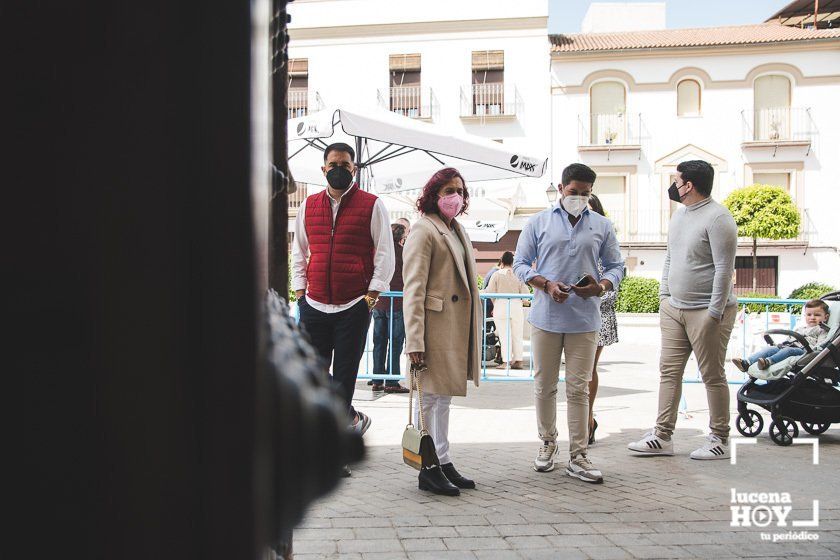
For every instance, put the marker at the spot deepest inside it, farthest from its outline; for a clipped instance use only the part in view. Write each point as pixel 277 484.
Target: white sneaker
pixel 581 467
pixel 545 457
pixel 651 444
pixel 714 448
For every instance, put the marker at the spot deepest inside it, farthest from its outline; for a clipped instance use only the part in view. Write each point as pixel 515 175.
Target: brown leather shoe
pixel 516 365
pixel 377 387
pixel 396 389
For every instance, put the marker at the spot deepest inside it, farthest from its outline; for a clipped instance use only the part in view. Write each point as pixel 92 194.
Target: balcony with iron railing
pixel 609 131
pixel 650 227
pixel 774 126
pixel 414 102
pixel 298 102
pixel 641 227
pixel 490 101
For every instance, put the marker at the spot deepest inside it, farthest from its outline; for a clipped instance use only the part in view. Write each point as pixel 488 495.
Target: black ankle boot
pixel 455 477
pixel 435 481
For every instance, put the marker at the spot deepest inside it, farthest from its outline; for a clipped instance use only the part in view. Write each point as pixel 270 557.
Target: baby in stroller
pixel 814 329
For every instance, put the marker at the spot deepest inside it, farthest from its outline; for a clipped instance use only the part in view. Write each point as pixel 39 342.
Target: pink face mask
pixel 450 205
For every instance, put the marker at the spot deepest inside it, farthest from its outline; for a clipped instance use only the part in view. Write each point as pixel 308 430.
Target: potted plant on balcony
pixel 774 129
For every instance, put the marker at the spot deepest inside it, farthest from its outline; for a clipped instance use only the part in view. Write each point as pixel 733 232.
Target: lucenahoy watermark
pixel 763 509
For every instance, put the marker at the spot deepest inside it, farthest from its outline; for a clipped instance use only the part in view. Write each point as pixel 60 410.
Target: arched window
pixel 688 98
pixel 608 124
pixel 772 108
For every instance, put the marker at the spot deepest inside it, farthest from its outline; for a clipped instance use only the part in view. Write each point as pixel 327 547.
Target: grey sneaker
pixel 362 424
pixel 581 467
pixel 545 457
pixel 651 444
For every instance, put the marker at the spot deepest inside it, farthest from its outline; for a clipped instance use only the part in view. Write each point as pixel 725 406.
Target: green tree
pixel 763 212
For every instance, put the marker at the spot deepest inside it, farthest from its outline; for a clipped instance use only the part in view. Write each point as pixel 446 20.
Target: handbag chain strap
pixel 415 379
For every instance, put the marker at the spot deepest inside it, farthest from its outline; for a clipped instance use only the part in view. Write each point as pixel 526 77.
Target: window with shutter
pixel 772 108
pixel 297 98
pixel 607 113
pixel 688 98
pixel 404 96
pixel 488 72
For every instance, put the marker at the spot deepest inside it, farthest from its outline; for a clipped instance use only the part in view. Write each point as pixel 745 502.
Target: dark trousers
pixel 339 337
pixel 381 328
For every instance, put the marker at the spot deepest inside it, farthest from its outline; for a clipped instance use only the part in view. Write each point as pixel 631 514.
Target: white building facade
pixel 472 66
pixel 758 102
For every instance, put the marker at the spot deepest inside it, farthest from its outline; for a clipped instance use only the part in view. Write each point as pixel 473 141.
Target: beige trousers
pixel 509 329
pixel 684 331
pixel 547 347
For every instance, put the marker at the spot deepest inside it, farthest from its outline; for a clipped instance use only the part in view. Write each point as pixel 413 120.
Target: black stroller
pixel 807 393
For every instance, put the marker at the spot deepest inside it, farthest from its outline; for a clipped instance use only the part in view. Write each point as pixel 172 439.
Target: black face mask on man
pixel 674 193
pixel 339 178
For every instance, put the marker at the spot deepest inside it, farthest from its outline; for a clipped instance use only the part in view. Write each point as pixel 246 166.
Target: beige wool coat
pixel 441 307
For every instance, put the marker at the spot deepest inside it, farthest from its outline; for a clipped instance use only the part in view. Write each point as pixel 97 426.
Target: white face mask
pixel 575 204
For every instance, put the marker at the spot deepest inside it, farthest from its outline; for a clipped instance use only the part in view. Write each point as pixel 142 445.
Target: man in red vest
pixel 342 257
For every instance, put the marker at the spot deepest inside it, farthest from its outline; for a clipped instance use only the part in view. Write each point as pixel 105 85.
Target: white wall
pixel 719 131
pixel 334 13
pixel 348 70
pixel 797 267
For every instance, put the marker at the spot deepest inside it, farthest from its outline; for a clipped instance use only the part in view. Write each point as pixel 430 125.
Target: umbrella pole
pixel 359 160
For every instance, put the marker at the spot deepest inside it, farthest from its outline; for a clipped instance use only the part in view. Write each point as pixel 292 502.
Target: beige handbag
pixel 418 446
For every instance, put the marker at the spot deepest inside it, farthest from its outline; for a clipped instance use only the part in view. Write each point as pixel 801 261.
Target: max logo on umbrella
pixel 303 128
pixel 522 164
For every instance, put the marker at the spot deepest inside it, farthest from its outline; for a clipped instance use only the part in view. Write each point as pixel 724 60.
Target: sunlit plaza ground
pixel 648 507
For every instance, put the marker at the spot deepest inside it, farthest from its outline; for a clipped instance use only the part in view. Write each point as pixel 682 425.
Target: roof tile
pixel 681 38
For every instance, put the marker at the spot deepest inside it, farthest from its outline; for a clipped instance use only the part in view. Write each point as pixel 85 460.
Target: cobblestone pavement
pixel 648 507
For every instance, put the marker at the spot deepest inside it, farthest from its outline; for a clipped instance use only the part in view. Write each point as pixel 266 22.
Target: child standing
pixel 814 315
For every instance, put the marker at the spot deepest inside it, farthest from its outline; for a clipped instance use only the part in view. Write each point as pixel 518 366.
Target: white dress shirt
pixel 383 259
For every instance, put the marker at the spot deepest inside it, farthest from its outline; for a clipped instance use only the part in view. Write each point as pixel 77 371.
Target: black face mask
pixel 674 193
pixel 339 178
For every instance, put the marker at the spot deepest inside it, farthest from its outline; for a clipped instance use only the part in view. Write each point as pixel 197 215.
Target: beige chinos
pixel 547 348
pixel 684 331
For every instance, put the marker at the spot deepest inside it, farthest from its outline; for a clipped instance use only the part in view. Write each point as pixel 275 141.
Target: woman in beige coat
pixel 442 315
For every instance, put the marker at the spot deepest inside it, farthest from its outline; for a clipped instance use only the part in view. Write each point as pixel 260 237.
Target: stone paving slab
pixel 648 507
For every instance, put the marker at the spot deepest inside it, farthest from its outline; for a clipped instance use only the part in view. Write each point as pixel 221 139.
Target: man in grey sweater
pixel 696 311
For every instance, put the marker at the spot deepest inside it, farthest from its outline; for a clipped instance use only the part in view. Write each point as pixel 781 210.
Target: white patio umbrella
pixel 395 153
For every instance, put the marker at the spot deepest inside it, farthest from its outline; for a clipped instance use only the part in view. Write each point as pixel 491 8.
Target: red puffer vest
pixel 340 257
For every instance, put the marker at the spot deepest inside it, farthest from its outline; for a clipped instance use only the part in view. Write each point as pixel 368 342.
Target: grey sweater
pixel 702 240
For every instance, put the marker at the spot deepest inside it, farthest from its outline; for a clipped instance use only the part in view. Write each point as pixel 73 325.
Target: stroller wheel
pixel 783 430
pixel 815 429
pixel 753 430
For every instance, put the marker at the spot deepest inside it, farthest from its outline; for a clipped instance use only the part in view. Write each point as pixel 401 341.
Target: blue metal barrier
pixel 528 373
pixel 365 371
pixel 507 376
pixel 742 304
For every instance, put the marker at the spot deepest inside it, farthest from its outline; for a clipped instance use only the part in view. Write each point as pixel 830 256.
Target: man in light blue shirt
pixel 558 254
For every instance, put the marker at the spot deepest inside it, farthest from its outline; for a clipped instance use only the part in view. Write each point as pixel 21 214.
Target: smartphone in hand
pixel 584 280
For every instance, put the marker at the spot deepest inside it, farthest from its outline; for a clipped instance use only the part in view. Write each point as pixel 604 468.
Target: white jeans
pixel 436 417
pixel 515 323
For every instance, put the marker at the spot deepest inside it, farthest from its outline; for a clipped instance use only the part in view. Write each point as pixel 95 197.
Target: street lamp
pixel 551 193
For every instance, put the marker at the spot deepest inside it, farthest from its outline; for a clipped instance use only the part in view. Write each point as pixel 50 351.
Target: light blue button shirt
pixel 562 253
